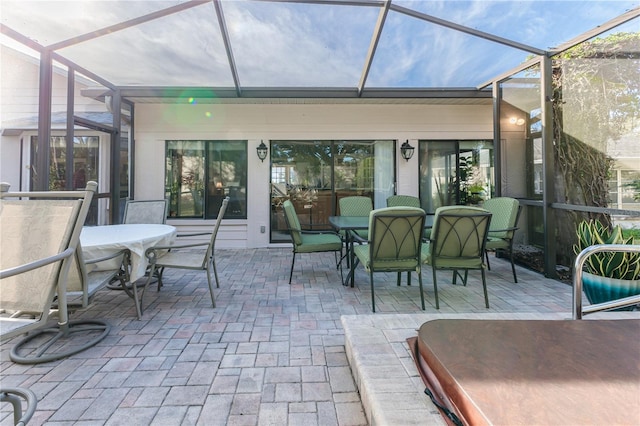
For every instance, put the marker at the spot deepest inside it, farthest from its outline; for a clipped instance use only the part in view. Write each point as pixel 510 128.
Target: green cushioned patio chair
pixel 504 220
pixel 407 201
pixel 394 245
pixel 356 205
pixel 403 201
pixel 457 243
pixel 309 241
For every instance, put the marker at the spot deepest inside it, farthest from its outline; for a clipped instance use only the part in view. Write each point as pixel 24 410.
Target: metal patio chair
pixel 403 201
pixel 145 211
pixel 15 396
pixel 40 234
pixel 356 205
pixel 182 255
pixel 309 241
pixel 504 220
pixel 394 244
pixel 457 243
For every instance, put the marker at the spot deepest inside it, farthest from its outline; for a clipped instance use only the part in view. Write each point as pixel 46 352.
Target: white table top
pixel 93 236
pixel 100 241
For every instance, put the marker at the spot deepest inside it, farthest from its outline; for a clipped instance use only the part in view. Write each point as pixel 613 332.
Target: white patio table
pixel 99 241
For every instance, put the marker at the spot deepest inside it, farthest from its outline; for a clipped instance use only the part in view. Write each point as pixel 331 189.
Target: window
pixel 200 174
pixel 83 163
pixel 85 160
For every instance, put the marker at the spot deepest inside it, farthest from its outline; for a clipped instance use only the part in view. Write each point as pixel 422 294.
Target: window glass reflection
pixel 200 174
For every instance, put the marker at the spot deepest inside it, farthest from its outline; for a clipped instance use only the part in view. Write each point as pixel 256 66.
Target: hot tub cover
pixel 532 372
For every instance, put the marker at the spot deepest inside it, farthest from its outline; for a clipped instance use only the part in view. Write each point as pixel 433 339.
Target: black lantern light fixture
pixel 262 151
pixel 406 150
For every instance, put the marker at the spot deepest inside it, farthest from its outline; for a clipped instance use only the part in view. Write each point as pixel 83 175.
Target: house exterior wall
pixel 156 123
pixel 19 91
pixel 20 82
pixel 273 119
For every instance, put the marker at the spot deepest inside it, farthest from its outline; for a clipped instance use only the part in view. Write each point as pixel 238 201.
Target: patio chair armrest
pixel 193 234
pixel 513 228
pixel 358 239
pixel 318 232
pixel 26 267
pixel 152 254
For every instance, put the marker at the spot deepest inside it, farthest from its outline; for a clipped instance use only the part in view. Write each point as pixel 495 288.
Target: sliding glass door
pixel 455 173
pixel 314 175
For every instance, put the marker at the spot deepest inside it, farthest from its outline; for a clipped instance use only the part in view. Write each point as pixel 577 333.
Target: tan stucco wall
pixel 155 123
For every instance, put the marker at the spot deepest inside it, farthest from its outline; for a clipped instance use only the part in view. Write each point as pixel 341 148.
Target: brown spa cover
pixel 533 372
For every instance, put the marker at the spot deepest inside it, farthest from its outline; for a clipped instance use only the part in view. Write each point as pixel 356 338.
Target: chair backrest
pixel 356 205
pixel 395 238
pixel 34 229
pixel 145 211
pixel 459 232
pixel 505 212
pixel 403 201
pixel 214 234
pixel 293 223
pixel 76 281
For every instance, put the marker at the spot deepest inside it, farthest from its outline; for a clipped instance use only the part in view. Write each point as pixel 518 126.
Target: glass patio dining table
pixel 348 225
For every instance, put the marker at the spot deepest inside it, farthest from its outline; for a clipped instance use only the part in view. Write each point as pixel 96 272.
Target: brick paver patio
pixel 269 354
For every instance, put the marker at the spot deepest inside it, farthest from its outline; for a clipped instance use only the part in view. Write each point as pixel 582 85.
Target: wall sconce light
pixel 406 150
pixel 516 121
pixel 262 151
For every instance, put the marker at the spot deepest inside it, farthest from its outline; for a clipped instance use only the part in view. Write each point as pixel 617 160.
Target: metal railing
pixel 578 311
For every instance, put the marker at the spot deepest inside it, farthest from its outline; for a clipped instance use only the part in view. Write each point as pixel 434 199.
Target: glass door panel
pixel 185 178
pixel 438 174
pixel 302 173
pixel 314 175
pixel 455 172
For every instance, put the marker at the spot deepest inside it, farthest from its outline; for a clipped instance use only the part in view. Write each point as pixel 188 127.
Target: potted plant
pixel 607 275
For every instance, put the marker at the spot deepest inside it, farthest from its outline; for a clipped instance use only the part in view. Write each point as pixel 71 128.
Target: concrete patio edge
pixel 390 387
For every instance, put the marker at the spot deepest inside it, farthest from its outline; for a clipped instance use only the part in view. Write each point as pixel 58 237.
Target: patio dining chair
pixel 394 244
pixel 504 220
pixel 309 241
pixel 403 201
pixel 16 396
pixel 356 205
pixel 139 212
pixel 457 243
pixel 407 201
pixel 145 211
pixel 198 256
pixel 40 234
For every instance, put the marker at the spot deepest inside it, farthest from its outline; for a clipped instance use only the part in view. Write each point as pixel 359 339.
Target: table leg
pixel 350 260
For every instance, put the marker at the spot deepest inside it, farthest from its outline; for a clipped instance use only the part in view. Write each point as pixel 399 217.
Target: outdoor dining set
pixel 53 264
pixel 402 237
pixel 45 236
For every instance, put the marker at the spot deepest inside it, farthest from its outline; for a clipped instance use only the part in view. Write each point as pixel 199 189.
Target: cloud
pixel 304 45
